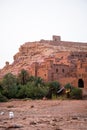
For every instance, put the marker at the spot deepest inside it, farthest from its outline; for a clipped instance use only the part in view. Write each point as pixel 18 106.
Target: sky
pixel 31 20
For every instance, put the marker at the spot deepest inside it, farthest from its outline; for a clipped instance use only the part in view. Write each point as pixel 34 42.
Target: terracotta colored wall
pixel 64 72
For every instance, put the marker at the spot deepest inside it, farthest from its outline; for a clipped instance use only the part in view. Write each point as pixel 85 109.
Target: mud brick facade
pixel 73 70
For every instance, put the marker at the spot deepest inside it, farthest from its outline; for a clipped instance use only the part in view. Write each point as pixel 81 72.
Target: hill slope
pixel 31 52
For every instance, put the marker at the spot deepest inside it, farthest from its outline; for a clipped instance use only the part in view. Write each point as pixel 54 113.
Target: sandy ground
pixel 44 115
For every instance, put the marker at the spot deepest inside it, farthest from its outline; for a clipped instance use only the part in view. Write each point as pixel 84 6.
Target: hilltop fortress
pixel 51 60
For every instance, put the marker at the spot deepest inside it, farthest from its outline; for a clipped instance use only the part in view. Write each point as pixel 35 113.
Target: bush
pixel 31 91
pixel 68 86
pixel 9 85
pixel 54 86
pixel 22 90
pixel 36 93
pixel 2 98
pixel 76 93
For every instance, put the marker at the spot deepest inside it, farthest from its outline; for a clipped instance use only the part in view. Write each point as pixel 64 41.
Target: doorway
pixel 80 83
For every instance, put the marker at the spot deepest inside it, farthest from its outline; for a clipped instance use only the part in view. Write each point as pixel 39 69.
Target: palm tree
pixel 39 82
pixel 23 77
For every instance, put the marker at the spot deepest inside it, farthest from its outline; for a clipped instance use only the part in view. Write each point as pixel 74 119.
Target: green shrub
pixel 21 92
pixel 31 91
pixel 2 98
pixel 76 93
pixel 54 86
pixel 9 85
pixel 68 86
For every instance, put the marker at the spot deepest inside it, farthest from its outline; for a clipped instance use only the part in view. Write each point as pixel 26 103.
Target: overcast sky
pixel 31 20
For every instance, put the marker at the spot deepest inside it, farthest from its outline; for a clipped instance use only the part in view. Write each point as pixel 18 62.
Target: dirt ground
pixel 44 115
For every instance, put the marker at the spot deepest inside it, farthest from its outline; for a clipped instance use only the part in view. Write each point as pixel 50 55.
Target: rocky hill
pixel 31 52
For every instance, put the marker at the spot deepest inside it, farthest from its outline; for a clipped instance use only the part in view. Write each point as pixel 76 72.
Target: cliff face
pixel 38 51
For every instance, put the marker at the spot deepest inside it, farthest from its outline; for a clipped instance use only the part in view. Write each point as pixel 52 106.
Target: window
pixel 81 65
pixel 80 83
pixel 56 70
pixel 44 74
pixel 63 70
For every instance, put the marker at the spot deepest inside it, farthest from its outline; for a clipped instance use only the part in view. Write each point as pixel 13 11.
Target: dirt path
pixel 44 115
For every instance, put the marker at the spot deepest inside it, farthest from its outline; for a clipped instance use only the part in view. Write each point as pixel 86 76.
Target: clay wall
pixel 56 71
pixel 78 55
pixel 69 43
pixel 43 73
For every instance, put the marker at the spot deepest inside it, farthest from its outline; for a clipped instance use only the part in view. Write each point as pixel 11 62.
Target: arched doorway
pixel 80 83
